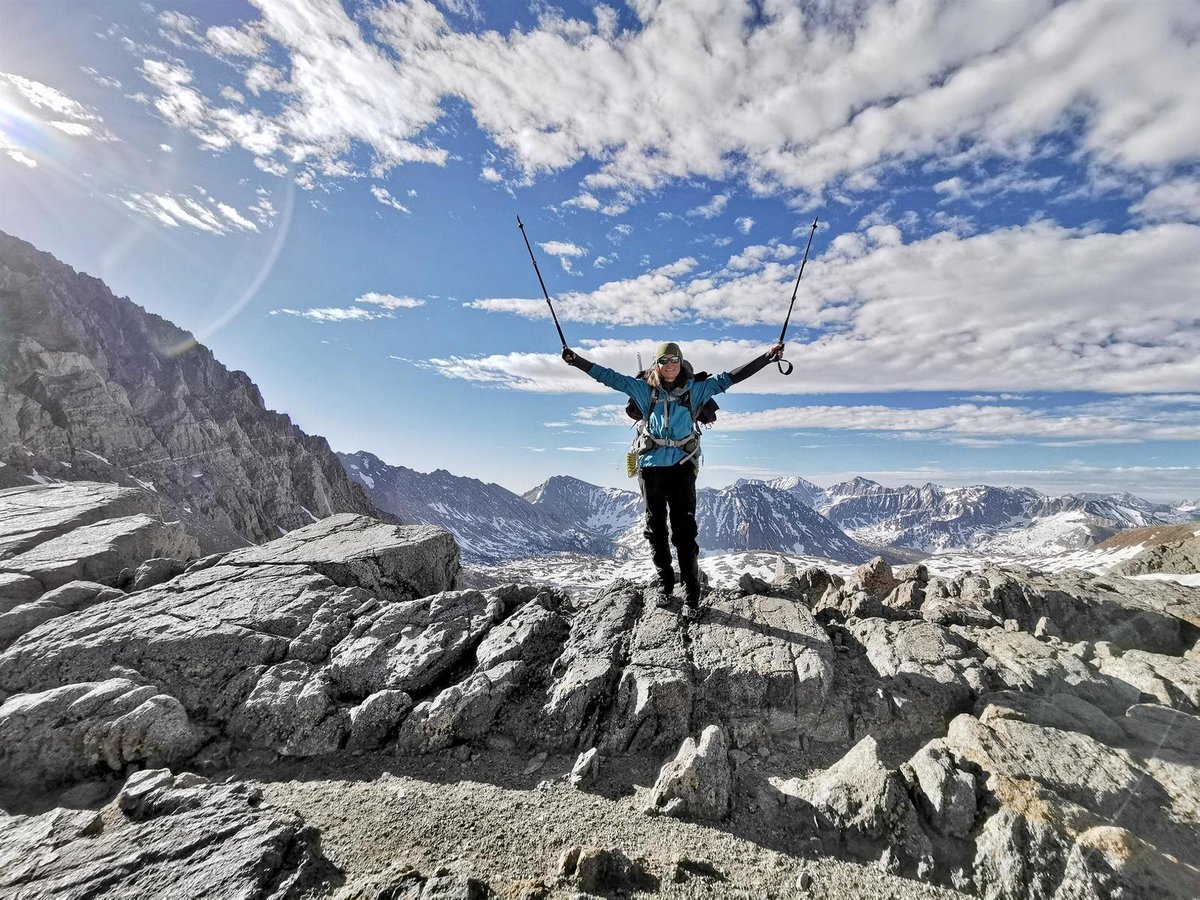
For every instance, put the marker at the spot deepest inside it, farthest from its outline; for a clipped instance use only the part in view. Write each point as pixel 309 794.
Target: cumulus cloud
pixel 713 208
pixel 1068 309
pixel 562 248
pixel 583 201
pixel 785 95
pixel 986 190
pixel 565 251
pixel 966 424
pixel 744 224
pixel 1174 201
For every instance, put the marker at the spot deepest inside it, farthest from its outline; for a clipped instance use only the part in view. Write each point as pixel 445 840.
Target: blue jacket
pixel 681 425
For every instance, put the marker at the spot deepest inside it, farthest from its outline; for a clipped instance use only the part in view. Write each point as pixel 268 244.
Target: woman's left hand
pixel 776 351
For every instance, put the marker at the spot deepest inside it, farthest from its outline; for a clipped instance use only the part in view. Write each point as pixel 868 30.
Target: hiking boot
pixel 689 611
pixel 661 590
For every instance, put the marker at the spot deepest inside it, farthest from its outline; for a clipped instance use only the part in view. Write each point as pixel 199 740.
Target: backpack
pixel 643 442
pixel 705 415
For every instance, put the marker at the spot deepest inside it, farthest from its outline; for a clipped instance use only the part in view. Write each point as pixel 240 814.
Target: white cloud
pixel 1065 310
pixel 328 314
pixel 20 157
pixel 966 424
pixel 388 301
pixel 1174 201
pixel 384 196
pixel 202 213
pixel 75 129
pixel 231 41
pixel 744 224
pixel 166 148
pixel 487 173
pixel 562 248
pixel 713 208
pixel 100 79
pixel 583 201
pixel 47 107
pixel 986 190
pixel 44 97
pixel 804 98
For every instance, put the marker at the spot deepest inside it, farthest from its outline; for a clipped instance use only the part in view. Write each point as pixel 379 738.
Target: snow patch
pixel 1191 579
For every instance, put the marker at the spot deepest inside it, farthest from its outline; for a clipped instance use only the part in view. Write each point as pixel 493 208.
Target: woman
pixel 669 399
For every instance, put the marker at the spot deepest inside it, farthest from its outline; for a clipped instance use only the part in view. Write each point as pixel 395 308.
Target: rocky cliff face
pixel 94 387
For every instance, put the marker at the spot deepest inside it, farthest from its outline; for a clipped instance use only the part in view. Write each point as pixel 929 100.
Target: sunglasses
pixel 668 360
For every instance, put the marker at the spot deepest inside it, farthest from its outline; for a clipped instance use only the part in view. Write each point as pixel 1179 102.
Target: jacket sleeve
pixel 626 384
pixel 744 371
pixel 702 391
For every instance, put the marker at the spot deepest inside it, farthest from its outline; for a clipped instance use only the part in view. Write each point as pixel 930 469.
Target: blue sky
pixel 1003 289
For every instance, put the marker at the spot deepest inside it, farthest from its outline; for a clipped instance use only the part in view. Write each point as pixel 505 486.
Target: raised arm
pixel 626 384
pixel 745 370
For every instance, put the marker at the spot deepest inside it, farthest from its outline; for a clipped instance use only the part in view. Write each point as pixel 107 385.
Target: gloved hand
pixel 776 351
pixel 568 356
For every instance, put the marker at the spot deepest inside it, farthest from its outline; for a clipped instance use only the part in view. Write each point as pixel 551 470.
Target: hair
pixel 654 378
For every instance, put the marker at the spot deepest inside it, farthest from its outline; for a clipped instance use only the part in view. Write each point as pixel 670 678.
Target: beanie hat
pixel 670 348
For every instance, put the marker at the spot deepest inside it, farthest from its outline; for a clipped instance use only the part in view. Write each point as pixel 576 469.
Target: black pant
pixel 670 492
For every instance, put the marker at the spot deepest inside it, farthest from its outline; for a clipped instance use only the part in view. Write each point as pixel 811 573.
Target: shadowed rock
pixel 1170 680
pixel 864 806
pixel 175 836
pixel 82 730
pixel 696 784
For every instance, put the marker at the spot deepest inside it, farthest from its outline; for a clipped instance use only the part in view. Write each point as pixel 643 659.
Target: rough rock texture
pixel 1156 616
pixel 103 551
pixel 81 730
pixel 94 387
pixel 164 836
pixel 269 655
pixel 763 668
pixel 865 804
pixel 696 783
pixel 1181 556
pixel 54 534
pixel 391 561
pixel 981 755
pixel 911 679
pixel 1170 680
pixel 67 598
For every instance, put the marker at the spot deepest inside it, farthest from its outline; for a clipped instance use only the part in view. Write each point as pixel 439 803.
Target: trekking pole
pixel 781 361
pixel 521 225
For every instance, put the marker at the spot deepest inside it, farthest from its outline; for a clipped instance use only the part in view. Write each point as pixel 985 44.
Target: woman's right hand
pixel 568 356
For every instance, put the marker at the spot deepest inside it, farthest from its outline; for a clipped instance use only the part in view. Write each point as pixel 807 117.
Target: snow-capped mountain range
pixel 982 518
pixel 848 522
pixel 490 522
